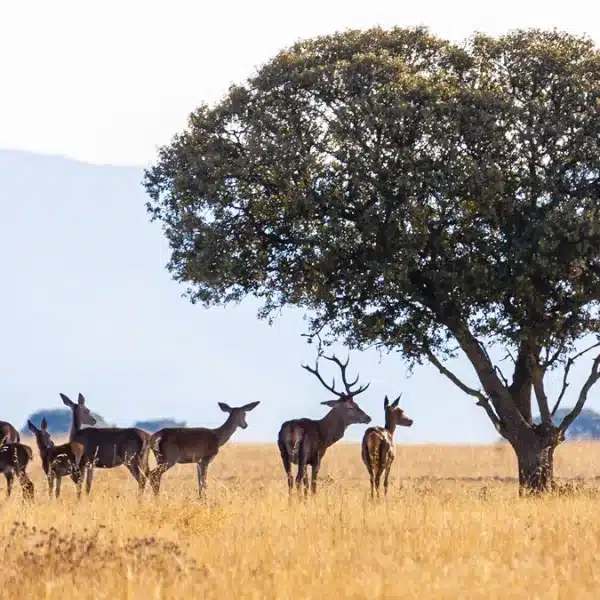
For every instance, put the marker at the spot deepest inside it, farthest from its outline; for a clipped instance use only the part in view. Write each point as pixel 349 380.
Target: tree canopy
pixel 424 196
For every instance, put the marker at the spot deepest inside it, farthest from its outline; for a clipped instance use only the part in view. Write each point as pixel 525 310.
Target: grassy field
pixel 452 527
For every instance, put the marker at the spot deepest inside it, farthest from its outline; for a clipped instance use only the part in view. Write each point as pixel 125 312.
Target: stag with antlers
pixel 303 442
pixel 378 444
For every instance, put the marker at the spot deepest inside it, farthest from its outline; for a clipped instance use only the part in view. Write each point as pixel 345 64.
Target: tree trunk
pixel 535 458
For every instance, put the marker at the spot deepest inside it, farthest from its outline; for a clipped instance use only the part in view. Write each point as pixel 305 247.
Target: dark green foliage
pixel 407 192
pixel 59 420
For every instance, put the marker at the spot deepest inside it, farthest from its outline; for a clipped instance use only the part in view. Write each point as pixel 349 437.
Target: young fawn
pixel 14 458
pixel 378 445
pixel 58 461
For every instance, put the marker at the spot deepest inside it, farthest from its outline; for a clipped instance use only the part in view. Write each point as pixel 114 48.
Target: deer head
pixel 350 411
pixel 394 414
pixel 80 411
pixel 345 399
pixel 238 414
pixel 42 434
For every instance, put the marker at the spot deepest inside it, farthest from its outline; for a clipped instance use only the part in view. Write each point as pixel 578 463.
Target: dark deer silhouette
pixel 14 458
pixel 304 441
pixel 185 445
pixel 58 461
pixel 108 447
pixel 378 444
pixel 8 434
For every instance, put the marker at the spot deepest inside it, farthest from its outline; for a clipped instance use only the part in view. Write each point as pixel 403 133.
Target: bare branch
pixel 565 383
pixel 509 355
pixel 481 397
pixel 590 381
pixel 501 375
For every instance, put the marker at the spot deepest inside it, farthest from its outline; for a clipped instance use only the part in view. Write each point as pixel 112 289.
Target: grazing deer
pixel 378 444
pixel 185 445
pixel 304 441
pixel 14 458
pixel 58 461
pixel 107 447
pixel 8 434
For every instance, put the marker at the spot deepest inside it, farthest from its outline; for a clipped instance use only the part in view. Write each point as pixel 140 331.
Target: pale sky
pixel 89 306
pixel 108 81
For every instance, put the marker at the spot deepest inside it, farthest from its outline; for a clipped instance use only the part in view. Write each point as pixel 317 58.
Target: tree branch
pixel 481 398
pixel 501 375
pixel 565 383
pixel 590 381
pixel 537 376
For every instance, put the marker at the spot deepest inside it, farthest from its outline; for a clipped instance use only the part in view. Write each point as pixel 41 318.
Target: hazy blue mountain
pixel 156 424
pixel 59 420
pixel 585 427
pixel 88 306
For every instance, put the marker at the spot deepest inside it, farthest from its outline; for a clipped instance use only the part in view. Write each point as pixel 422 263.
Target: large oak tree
pixel 427 197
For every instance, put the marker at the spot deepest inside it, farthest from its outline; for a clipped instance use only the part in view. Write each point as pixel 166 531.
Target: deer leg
pixel 50 477
pixel 136 470
pixel 10 477
pixel 76 476
pixel 89 476
pixel 314 473
pixel 27 485
pixel 156 475
pixel 287 465
pixel 58 484
pixel 378 479
pixel 200 472
pixel 305 480
pixel 386 477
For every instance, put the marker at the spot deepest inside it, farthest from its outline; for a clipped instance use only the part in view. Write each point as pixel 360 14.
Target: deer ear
pixel 44 424
pixel 81 399
pixel 396 401
pixel 331 403
pixel 250 406
pixel 224 407
pixel 32 427
pixel 386 402
pixel 67 401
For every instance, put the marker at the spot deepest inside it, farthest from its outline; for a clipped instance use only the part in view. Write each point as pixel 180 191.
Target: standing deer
pixel 58 461
pixel 108 447
pixel 378 444
pixel 8 434
pixel 185 445
pixel 304 441
pixel 14 458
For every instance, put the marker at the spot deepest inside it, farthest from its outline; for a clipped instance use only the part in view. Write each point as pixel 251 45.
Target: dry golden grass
pixel 452 527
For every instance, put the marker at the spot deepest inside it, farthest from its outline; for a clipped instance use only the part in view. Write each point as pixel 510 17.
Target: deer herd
pixel 302 442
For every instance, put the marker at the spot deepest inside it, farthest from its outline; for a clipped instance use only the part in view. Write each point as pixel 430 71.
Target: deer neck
pixel 333 426
pixel 75 424
pixel 390 425
pixel 226 430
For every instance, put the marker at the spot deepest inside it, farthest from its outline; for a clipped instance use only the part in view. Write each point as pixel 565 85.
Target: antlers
pixel 349 393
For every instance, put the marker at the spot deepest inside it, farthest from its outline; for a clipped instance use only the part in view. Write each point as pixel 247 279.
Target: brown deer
pixel 108 447
pixel 58 461
pixel 185 445
pixel 304 441
pixel 14 458
pixel 8 434
pixel 378 444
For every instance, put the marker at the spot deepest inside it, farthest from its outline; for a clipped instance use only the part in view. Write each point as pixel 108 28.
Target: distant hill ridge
pixel 59 421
